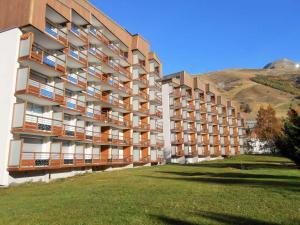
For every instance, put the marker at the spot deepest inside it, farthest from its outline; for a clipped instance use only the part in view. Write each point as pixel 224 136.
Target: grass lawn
pixel 247 190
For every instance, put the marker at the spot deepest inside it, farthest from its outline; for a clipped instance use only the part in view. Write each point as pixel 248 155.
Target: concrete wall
pixel 166 121
pixel 9 48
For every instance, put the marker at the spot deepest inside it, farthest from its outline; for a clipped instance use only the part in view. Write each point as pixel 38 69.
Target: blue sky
pixel 207 35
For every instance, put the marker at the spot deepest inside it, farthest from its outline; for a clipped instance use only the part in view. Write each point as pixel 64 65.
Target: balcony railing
pixel 156 114
pixel 75 104
pixel 115 140
pixel 79 32
pixel 142 80
pixel 93 92
pixel 77 54
pixel 76 80
pixel 98 53
pixel 30 50
pixel 73 132
pixel 117 120
pixel 142 143
pixel 30 86
pixel 178 141
pixel 176 105
pixel 37 124
pixel 141 125
pixel 142 94
pixel 93 113
pixel 22 160
pixel 54 31
pixel 114 101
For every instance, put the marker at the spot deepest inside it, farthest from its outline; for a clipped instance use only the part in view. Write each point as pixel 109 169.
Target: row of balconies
pixel 85 35
pixel 22 159
pixel 34 55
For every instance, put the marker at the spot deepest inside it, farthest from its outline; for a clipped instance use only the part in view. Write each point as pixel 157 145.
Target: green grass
pixel 278 82
pixel 248 190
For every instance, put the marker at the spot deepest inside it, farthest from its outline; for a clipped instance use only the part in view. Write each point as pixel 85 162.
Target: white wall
pixel 166 121
pixel 9 48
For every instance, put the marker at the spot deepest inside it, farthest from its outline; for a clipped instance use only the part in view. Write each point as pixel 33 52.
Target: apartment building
pixel 198 123
pixel 78 92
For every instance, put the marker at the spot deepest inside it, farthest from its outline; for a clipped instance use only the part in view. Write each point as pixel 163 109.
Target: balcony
pixel 96 56
pixel 34 56
pixel 110 66
pixel 156 114
pixel 76 58
pixel 99 39
pixel 118 105
pixel 35 92
pixel 155 86
pixel 156 100
pixel 160 143
pixel 36 125
pixel 141 143
pixel 190 142
pixel 142 160
pixel 190 118
pixel 77 35
pixel 141 66
pixel 57 33
pixel 118 160
pixel 176 93
pixel 156 73
pixel 177 129
pixel 156 127
pixel 141 111
pixel 190 107
pixel 204 131
pixel 93 94
pixel 142 96
pixel 141 81
pixel 176 117
pixel 178 152
pixel 190 129
pixel 117 121
pixel 176 105
pixel 72 132
pixel 140 126
pixel 74 106
pixel 186 95
pixel 75 82
pixel 22 159
pixel 178 141
pixel 93 114
pixel 115 140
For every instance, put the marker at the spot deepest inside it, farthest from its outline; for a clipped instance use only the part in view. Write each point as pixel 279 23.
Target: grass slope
pixel 252 190
pixel 242 86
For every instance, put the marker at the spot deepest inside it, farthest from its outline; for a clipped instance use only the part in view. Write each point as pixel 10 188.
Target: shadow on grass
pixel 230 175
pixel 288 185
pixel 244 166
pixel 219 218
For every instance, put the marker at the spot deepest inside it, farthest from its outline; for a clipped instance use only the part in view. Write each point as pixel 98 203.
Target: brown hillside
pixel 238 85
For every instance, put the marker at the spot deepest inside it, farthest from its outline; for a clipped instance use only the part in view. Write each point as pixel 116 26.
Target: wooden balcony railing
pixel 36 53
pixel 55 32
pixel 43 91
pixel 76 80
pixel 77 54
pixel 74 104
pixel 141 125
pixel 78 31
pixel 38 124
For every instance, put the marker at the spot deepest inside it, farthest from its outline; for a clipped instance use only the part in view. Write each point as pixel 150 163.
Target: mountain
pixel 277 84
pixel 283 64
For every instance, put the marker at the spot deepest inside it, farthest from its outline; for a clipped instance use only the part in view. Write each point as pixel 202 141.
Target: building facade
pixel 78 92
pixel 198 124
